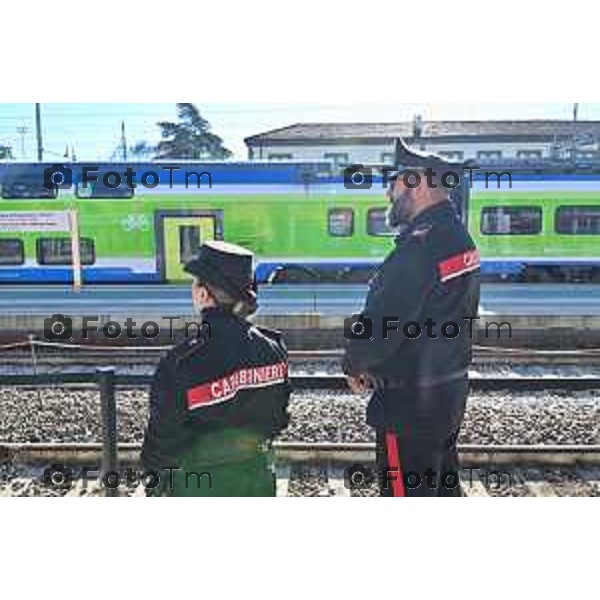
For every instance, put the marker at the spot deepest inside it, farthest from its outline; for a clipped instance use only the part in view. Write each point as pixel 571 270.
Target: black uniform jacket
pixel 430 279
pixel 234 378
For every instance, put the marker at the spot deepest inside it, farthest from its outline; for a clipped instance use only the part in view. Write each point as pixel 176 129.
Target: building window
pixel 489 155
pixel 510 220
pixel 57 251
pixel 453 154
pixel 578 220
pixel 529 154
pixel 341 222
pixel 586 155
pixel 280 156
pixel 11 252
pixel 339 159
pixel 377 222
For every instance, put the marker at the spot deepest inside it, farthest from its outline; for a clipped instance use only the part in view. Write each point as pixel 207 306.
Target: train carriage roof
pixel 264 174
pixel 247 172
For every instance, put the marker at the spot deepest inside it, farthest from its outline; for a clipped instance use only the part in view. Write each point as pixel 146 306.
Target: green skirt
pixel 226 463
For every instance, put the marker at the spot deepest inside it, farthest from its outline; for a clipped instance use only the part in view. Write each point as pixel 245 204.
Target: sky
pixel 94 130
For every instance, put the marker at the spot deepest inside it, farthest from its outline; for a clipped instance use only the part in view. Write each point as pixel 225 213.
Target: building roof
pixel 376 133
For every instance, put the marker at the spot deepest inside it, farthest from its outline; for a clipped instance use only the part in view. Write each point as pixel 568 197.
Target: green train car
pixel 302 224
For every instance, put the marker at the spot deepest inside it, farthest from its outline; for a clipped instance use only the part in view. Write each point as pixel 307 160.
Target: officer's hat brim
pixel 225 266
pixel 203 272
pixel 408 159
pixel 206 274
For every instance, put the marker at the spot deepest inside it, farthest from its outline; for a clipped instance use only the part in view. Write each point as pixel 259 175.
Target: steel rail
pixel 148 355
pixel 322 452
pixel 85 379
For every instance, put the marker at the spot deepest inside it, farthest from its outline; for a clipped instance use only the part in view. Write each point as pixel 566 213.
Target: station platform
pixel 335 300
pixel 540 315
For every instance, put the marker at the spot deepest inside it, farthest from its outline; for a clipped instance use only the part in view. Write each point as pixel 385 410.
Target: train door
pixel 180 236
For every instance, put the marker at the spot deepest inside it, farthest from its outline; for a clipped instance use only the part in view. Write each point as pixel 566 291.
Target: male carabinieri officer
pixel 422 302
pixel 217 400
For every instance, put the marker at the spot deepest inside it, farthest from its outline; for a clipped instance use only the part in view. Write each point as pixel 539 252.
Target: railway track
pixel 52 354
pixel 323 452
pixel 514 384
pixel 321 469
pixel 318 468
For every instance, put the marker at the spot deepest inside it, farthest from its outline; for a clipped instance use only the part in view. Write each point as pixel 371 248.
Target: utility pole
pixel 22 131
pixel 123 141
pixel 38 127
pixel 418 131
pixel 574 143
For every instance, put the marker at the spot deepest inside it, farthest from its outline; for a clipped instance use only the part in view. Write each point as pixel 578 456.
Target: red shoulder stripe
pixel 227 387
pixel 457 265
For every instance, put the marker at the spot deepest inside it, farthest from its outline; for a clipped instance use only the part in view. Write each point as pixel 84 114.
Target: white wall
pixel 372 153
pixel 508 150
pixel 362 153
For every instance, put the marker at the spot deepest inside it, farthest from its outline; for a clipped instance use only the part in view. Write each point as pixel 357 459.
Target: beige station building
pixel 345 144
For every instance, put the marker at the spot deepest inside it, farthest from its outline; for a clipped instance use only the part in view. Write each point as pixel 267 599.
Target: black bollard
pixel 106 383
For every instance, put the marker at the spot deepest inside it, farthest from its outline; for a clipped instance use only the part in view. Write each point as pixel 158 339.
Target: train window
pixel 98 190
pixel 15 190
pixel 489 155
pixel 11 252
pixel 189 242
pixel 578 220
pixel 341 222
pixel 377 222
pixel 57 251
pixel 529 154
pixel 511 220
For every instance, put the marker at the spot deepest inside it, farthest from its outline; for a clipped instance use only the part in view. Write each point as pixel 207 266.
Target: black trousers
pixel 416 452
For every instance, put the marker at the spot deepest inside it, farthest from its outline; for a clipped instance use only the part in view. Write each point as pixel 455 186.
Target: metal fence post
pixel 34 363
pixel 106 383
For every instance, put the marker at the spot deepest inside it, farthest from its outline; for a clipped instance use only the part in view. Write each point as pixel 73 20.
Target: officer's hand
pixel 360 384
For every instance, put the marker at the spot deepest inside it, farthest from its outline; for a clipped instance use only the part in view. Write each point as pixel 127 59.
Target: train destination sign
pixel 35 221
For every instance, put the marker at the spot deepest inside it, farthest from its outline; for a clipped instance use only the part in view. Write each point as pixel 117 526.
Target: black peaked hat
pixel 407 159
pixel 226 266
